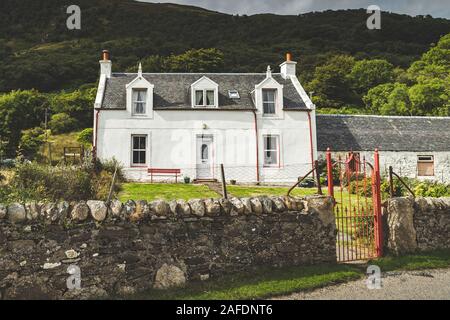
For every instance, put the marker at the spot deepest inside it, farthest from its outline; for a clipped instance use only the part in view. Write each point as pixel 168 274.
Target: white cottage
pixel 260 126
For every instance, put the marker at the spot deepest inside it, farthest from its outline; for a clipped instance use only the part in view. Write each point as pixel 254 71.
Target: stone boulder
pixel 98 209
pixel 80 211
pixel 212 207
pixel 226 205
pixel 401 236
pixel 115 208
pixel 160 208
pixel 3 211
pixel 257 206
pixel 237 207
pixel 278 204
pixel 267 205
pixel 197 207
pixel 33 210
pixel 16 213
pixel 185 208
pixel 169 276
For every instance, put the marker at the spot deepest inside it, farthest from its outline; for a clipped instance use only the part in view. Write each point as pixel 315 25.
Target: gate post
pixel 330 173
pixel 377 204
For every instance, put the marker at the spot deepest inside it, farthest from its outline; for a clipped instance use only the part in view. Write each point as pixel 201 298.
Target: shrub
pixel 30 142
pixel 85 137
pixel 432 189
pixel 62 123
pixel 38 182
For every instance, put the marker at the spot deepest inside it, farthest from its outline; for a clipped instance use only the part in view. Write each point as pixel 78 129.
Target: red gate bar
pixel 330 173
pixel 377 205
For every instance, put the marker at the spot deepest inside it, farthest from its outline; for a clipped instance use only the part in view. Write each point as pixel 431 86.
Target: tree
pixel 77 104
pixel 62 123
pixel 389 99
pixel 20 110
pixel 85 137
pixel 431 97
pixel 30 142
pixel 194 60
pixel 330 83
pixel 367 74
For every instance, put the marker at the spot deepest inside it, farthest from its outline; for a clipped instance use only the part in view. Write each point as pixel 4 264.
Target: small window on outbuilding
pixel 425 166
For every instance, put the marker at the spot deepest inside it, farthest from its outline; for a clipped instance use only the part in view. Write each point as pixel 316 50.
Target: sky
pixel 436 8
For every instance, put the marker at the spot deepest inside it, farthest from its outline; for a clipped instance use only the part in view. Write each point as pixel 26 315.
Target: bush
pixel 85 137
pixel 62 123
pixel 432 189
pixel 30 142
pixel 36 182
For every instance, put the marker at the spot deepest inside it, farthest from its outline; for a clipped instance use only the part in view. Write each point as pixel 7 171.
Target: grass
pixel 426 260
pixel 150 192
pixel 269 282
pixel 58 142
pixel 261 283
pixel 252 191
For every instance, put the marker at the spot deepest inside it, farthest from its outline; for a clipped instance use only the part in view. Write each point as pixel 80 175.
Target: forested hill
pixel 38 51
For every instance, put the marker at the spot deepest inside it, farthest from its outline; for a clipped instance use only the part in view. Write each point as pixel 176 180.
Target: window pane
pixel 268 101
pixel 141 157
pixel 270 150
pixel 142 144
pixel 199 98
pixel 135 156
pixel 204 151
pixel 210 98
pixel 135 142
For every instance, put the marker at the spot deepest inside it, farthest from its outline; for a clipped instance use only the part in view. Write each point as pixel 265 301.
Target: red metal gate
pixel 354 183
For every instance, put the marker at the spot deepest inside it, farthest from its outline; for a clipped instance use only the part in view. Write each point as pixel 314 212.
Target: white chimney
pixel 288 68
pixel 105 64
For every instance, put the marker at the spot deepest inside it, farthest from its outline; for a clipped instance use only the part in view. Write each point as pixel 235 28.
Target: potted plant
pixel 187 179
pixel 232 182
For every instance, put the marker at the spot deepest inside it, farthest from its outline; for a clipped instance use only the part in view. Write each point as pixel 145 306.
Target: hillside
pixel 38 51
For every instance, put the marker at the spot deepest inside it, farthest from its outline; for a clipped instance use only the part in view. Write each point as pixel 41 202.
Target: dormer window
pixel 205 93
pixel 269 102
pixel 139 101
pixel 205 98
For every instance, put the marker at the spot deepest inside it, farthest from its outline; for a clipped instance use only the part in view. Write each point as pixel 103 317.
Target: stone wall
pixel 125 248
pixel 419 224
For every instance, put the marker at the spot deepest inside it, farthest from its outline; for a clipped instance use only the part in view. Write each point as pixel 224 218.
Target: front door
pixel 204 157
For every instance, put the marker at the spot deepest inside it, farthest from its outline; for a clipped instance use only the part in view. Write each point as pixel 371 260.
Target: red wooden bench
pixel 164 172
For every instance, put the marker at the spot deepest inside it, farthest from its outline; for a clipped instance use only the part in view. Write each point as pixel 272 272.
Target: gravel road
pixel 410 285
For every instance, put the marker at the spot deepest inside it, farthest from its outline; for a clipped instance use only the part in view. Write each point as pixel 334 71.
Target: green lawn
pixel 262 283
pixel 164 191
pixel 270 282
pixel 253 191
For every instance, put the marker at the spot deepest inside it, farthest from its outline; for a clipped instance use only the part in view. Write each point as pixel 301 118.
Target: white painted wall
pixel 172 142
pixel 405 163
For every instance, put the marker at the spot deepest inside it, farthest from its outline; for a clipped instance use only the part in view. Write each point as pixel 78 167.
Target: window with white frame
pixel 425 166
pixel 269 102
pixel 139 101
pixel 139 150
pixel 205 98
pixel 271 150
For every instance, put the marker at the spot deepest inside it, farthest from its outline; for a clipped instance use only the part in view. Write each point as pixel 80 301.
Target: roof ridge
pixel 381 116
pixel 195 73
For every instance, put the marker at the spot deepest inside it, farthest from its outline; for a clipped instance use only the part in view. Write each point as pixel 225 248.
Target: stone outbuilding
pixel 416 147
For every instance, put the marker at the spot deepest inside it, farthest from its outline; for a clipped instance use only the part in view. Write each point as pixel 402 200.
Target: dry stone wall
pixel 420 224
pixel 120 249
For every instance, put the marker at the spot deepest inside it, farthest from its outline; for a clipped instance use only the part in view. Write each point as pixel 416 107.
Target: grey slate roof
pixel 172 90
pixel 364 133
